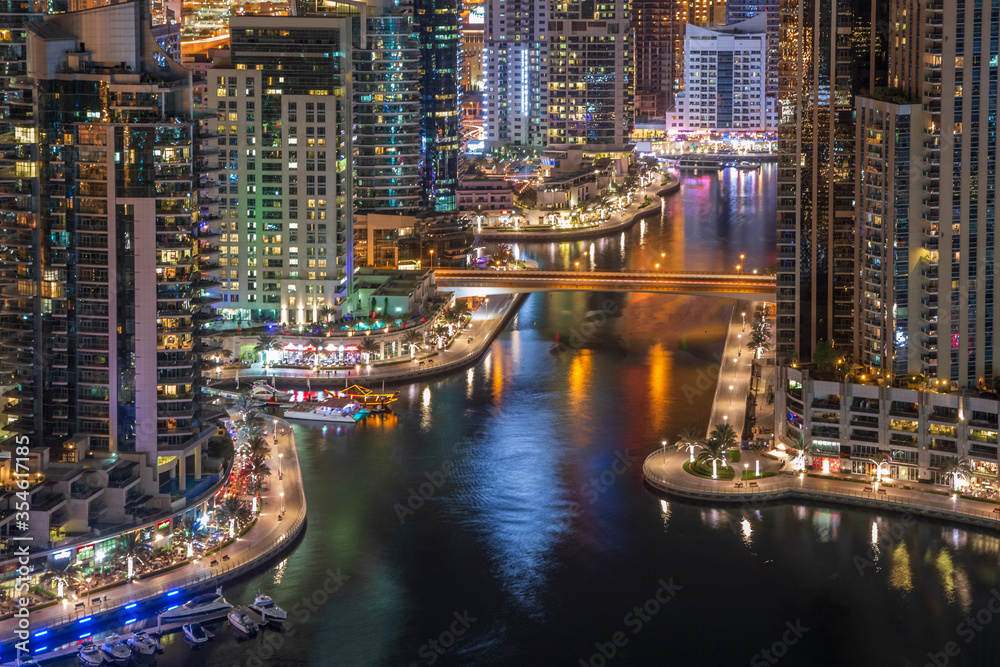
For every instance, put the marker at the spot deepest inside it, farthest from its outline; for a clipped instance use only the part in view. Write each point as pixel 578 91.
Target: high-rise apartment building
pixel 437 27
pixel 651 21
pixel 816 137
pixel 286 191
pixel 387 114
pixel 515 58
pixel 936 296
pixel 100 202
pixel 725 81
pixel 742 10
pixel 591 65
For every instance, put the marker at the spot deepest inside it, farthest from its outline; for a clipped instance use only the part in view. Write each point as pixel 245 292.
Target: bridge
pixel 483 282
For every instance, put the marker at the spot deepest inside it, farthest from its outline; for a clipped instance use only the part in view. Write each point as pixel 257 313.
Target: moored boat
pixel 207 605
pixel 264 605
pixel 90 655
pixel 142 643
pixel 240 619
pixel 196 633
pixel 337 410
pixel 115 649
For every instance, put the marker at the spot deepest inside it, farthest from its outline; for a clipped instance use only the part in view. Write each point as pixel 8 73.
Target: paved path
pixel 266 536
pixel 663 470
pixel 615 223
pixel 487 322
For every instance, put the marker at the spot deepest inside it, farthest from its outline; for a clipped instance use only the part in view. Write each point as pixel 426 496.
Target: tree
pixel 257 446
pixel 368 347
pixel 724 435
pixel 758 447
pixel 66 576
pixel 133 550
pixel 712 452
pixel 233 510
pixel 825 356
pixel 258 470
pixel 265 343
pixel 246 406
pixel 413 339
pixel 954 468
pixel 326 313
pixel 689 439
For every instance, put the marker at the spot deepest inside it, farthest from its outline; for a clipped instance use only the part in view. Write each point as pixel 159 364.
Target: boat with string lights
pixel 368 399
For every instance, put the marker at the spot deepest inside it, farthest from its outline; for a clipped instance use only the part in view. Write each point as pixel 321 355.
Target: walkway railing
pixel 791 485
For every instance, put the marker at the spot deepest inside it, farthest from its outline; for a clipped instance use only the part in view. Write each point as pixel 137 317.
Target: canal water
pixel 499 517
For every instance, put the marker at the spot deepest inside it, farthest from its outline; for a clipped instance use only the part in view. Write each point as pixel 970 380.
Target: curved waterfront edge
pixel 790 487
pixel 589 233
pixel 157 586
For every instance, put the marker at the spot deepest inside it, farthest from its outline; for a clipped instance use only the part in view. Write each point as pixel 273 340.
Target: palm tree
pixel 326 313
pixel 954 468
pixel 413 339
pixel 259 470
pixel 245 405
pixel 66 576
pixel 758 447
pixel 133 549
pixel 880 459
pixel 712 452
pixel 257 446
pixel 368 347
pixel 265 343
pixel 688 439
pixel 725 435
pixel 233 512
pixel 804 451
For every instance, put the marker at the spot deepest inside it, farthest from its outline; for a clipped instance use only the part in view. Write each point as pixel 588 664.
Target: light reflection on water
pixel 525 535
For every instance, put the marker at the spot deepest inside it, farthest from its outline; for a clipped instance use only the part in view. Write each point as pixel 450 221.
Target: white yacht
pixel 196 633
pixel 115 649
pixel 200 607
pixel 265 392
pixel 337 410
pixel 264 605
pixel 90 655
pixel 142 643
pixel 240 619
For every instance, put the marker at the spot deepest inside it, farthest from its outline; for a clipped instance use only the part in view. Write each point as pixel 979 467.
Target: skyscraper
pixel 591 82
pixel 437 27
pixel 286 185
pixel 515 56
pixel 102 206
pixel 651 21
pixel 741 10
pixel 816 134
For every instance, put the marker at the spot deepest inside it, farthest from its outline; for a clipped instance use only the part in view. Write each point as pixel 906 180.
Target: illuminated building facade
pixel 472 75
pixel 816 135
pixel 111 252
pixel 743 10
pixel 286 178
pixel 437 27
pixel 515 56
pixel 725 81
pixel 591 85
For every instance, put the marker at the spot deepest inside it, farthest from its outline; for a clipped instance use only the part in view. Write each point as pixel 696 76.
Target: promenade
pixel 265 538
pixel 618 222
pixel 663 469
pixel 487 322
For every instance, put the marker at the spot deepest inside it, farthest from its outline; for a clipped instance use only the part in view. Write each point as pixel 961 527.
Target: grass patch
pixel 937 493
pixel 733 455
pixel 981 500
pixel 699 469
pixel 749 476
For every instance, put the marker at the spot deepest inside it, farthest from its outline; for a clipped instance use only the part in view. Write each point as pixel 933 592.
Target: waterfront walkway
pixel 266 537
pixel 617 222
pixel 663 470
pixel 487 322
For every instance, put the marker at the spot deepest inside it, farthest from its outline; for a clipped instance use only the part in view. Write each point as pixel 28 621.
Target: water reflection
pixel 900 576
pixel 826 524
pixel 665 512
pixel 747 532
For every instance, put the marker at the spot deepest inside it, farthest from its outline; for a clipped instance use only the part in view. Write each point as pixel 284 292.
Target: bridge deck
pixel 721 284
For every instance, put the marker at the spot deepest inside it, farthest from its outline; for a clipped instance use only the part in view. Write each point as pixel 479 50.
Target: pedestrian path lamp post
pixel 746 471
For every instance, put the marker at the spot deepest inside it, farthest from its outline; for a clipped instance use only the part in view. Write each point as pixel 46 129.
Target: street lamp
pixel 746 471
pixel 280 456
pixel 730 396
pixel 432 257
pixel 282 494
pixel 739 339
pixel 275 432
pixel 487 308
pixel 744 321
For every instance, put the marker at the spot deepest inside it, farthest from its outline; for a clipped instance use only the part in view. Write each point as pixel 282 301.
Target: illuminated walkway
pixel 267 536
pixel 663 470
